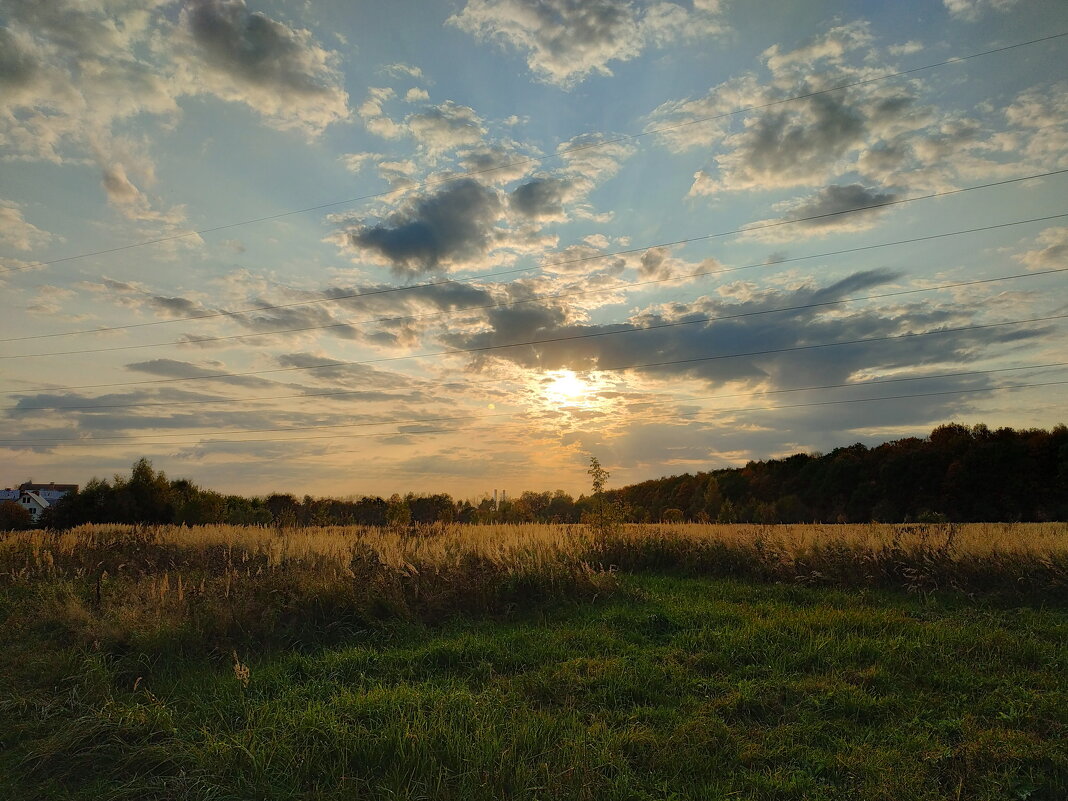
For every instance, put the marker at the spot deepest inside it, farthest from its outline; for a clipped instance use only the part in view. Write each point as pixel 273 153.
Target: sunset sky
pixel 285 246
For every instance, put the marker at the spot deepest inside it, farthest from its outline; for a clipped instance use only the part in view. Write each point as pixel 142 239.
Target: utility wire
pixel 486 348
pixel 422 420
pixel 539 159
pixel 550 296
pixel 678 414
pixel 628 251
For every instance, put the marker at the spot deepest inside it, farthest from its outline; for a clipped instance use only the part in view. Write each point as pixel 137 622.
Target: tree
pixel 398 513
pixel 607 516
pixel 672 516
pixel 14 516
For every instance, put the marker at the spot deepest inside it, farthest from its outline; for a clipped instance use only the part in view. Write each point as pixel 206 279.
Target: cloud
pixel 789 147
pixel 18 65
pixel 354 162
pixel 73 75
pixel 828 206
pixel 247 57
pixel 807 141
pixel 867 132
pixel 541 198
pixel 400 70
pixel 566 41
pixel 500 162
pixel 446 127
pixel 414 95
pixel 449 227
pixel 905 48
pixel 70 73
pixel 830 47
pixel 971 10
pixel 16 232
pixel 747 331
pixel 1052 252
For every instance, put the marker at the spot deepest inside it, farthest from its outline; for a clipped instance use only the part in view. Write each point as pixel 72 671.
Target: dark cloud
pixel 172 368
pixel 293 319
pixel 833 199
pixel 756 332
pixel 349 375
pixel 18 67
pixel 541 198
pixel 780 145
pixel 247 57
pixel 251 46
pixel 176 306
pixel 432 231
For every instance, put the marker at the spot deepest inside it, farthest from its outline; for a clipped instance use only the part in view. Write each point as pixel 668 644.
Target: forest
pixel 957 473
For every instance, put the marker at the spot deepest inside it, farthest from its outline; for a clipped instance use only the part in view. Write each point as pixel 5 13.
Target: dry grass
pixel 705 688
pixel 220 585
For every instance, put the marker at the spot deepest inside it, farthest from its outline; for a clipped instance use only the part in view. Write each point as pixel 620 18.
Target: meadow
pixel 535 662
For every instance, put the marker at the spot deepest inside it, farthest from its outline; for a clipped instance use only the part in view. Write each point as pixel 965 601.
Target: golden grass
pixel 216 585
pixel 49 551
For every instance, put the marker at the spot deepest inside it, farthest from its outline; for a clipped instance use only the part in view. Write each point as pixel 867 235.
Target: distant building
pixel 35 498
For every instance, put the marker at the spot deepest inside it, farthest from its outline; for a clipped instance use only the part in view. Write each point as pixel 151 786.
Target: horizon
pixel 353 249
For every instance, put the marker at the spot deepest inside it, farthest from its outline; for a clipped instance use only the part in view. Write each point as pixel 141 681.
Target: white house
pixel 35 498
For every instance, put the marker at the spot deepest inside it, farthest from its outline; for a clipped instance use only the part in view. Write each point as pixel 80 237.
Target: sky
pixel 347 248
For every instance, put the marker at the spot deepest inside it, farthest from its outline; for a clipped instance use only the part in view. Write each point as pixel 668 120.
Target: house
pixel 35 498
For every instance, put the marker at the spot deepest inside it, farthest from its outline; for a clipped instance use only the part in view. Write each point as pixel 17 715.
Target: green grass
pixel 676 689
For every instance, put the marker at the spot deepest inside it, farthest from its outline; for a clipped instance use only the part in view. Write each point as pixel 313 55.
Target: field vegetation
pixel 535 661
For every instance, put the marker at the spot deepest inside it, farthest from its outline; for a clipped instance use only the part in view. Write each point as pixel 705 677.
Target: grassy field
pixel 683 662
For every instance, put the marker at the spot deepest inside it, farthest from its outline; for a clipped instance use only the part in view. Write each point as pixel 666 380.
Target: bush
pixel 14 517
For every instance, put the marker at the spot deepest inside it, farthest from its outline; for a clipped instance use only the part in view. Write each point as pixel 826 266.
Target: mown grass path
pixel 681 689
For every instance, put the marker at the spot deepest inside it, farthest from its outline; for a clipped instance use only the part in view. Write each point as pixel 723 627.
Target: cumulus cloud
pixel 499 162
pixel 73 75
pixel 884 133
pixel 565 41
pixel 354 162
pixel 446 127
pixel 972 10
pixel 788 148
pixel 1052 252
pixel 436 129
pixel 833 209
pixel 802 142
pixel 74 71
pixel 400 70
pixel 16 231
pixel 247 57
pixel 540 198
pixel 70 73
pixel 451 226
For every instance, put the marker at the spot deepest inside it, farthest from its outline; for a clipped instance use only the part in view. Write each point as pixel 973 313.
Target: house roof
pixel 32 487
pixel 39 500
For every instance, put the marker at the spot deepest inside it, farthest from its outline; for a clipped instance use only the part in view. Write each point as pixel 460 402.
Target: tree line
pixel 957 473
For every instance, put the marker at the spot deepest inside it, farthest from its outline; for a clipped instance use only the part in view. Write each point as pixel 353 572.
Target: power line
pixel 553 340
pixel 420 420
pixel 550 296
pixel 577 260
pixel 539 159
pixel 679 414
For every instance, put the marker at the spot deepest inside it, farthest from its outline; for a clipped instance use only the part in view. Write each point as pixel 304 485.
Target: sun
pixel 567 389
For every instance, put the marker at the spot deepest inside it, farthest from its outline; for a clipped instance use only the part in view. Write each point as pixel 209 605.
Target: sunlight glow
pixel 567 389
